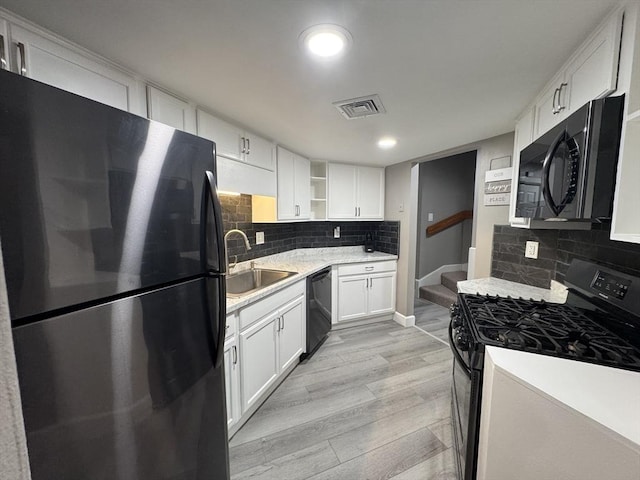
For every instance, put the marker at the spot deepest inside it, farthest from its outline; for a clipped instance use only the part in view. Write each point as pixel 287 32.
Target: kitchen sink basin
pixel 249 281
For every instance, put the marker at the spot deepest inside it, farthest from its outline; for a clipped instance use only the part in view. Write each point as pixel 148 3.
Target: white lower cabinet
pixel 291 334
pixel 232 380
pixel 259 358
pixel 366 290
pixel 271 340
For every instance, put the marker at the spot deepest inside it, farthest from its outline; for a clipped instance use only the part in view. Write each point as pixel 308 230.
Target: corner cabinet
pixel 43 57
pixel 355 192
pixel 293 174
pixel 366 290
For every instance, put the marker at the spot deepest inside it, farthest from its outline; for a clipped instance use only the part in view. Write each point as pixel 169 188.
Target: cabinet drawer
pixel 369 267
pixel 259 309
pixel 231 325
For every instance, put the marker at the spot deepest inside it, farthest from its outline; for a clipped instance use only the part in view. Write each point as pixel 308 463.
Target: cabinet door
pixel 594 71
pixel 292 332
pixel 228 138
pixel 545 116
pixel 352 297
pixel 342 191
pixel 232 380
pixel 302 184
pixel 171 111
pixel 259 152
pixel 5 61
pixel 258 359
pixel 55 64
pixel 382 293
pixel 370 201
pixel 286 185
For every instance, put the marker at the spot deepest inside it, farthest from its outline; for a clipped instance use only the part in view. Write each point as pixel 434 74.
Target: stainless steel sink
pixel 249 281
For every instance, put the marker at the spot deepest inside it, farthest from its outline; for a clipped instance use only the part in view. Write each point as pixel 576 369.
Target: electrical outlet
pixel 259 238
pixel 336 232
pixel 531 250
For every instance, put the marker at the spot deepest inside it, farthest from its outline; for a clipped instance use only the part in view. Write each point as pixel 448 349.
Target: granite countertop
pixel 304 261
pixel 505 288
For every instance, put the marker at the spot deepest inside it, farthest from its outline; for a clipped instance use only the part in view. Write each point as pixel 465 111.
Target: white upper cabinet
pixel 235 143
pixel 171 111
pixel 293 176
pixel 42 57
pixel 4 46
pixel 355 192
pixel 590 73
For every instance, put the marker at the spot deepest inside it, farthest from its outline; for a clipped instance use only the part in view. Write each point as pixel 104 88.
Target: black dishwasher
pixel 318 310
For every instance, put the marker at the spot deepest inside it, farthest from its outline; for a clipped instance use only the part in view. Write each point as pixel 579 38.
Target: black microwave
pixel 569 172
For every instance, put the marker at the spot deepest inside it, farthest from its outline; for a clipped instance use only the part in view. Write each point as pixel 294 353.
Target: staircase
pixel 445 293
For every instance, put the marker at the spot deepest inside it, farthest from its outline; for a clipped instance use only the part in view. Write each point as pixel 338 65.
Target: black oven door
pixel 465 411
pixel 552 172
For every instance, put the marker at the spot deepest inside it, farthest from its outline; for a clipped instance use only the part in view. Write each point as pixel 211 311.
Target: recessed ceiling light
pixel 326 41
pixel 387 142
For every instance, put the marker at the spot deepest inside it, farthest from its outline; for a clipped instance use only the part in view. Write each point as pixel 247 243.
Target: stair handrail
pixel 450 221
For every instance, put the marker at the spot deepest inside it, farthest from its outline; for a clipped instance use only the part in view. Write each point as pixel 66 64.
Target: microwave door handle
pixel 546 169
pixel 456 354
pixel 574 158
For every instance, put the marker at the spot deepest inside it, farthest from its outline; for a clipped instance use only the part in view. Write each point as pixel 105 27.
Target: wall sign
pixel 497 185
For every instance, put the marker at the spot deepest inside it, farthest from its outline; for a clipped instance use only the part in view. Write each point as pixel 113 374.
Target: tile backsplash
pixel 281 237
pixel 556 250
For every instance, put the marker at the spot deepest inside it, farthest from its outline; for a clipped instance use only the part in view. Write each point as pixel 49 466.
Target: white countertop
pixel 609 396
pixel 304 261
pixel 504 288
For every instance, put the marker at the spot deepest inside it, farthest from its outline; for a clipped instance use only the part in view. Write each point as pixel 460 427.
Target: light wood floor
pixel 372 403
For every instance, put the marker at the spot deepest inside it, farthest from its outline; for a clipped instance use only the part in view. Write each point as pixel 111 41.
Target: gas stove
pixel 550 329
pixel 598 324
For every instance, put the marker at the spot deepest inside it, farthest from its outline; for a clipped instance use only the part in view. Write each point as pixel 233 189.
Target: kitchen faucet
pixel 226 248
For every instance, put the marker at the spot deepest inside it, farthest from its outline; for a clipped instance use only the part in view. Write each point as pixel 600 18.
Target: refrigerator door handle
pixel 211 193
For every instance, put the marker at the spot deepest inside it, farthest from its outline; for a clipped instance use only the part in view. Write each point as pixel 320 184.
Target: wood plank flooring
pixel 372 403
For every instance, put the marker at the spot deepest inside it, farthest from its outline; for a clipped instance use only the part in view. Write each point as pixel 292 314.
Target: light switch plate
pixel 336 232
pixel 430 217
pixel 259 238
pixel 531 250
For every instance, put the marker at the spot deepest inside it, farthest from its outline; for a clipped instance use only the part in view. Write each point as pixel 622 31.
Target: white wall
pixel 401 204
pixel 484 218
pixel 14 463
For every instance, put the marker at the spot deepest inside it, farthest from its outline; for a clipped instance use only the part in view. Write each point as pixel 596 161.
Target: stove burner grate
pixel 547 328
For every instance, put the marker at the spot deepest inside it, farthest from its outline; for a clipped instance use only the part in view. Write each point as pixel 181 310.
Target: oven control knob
pixel 456 321
pixel 462 340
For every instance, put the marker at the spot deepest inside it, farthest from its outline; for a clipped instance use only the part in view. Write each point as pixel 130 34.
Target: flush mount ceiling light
pixel 387 142
pixel 326 40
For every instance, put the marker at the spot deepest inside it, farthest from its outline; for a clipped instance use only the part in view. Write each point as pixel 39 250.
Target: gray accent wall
pixel 446 187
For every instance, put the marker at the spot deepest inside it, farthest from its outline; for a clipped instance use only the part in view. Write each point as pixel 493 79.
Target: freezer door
pixel 96 202
pixel 127 390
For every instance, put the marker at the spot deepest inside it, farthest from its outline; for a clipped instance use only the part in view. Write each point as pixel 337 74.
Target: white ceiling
pixel 449 72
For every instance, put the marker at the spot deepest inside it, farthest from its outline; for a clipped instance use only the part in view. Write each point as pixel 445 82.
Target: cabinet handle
pixel 3 58
pixel 356 211
pixel 368 269
pixel 248 146
pixel 282 318
pixel 371 283
pixel 235 355
pixel 244 149
pixel 554 110
pixel 23 60
pixel 560 106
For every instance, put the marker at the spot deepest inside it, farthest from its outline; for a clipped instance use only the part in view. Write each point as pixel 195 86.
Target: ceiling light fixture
pixel 326 40
pixel 387 142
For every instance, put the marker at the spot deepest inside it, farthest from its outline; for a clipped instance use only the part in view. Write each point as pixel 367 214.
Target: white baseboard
pixel 404 320
pixel 433 278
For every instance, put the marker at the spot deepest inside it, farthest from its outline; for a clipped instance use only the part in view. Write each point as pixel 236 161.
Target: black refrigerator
pixel 111 234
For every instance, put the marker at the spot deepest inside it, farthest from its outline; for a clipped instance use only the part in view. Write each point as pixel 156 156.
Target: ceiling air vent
pixel 360 107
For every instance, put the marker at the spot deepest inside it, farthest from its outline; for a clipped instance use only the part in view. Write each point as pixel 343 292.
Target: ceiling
pixel 449 72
